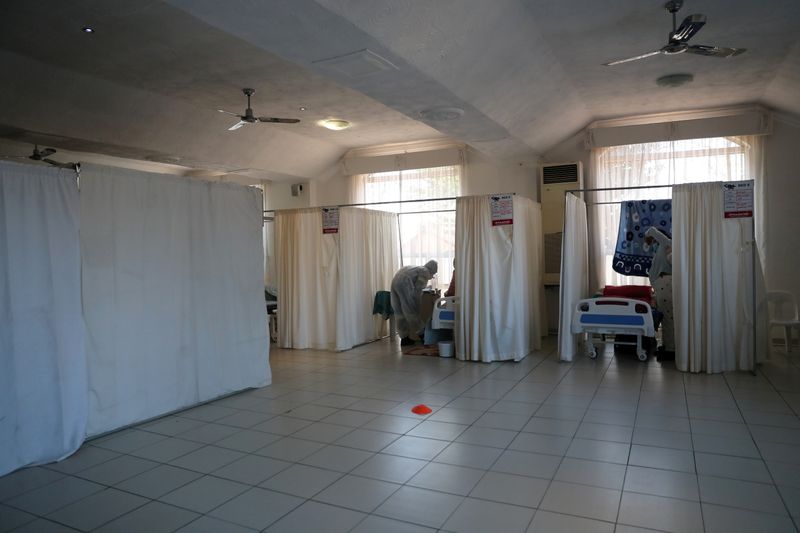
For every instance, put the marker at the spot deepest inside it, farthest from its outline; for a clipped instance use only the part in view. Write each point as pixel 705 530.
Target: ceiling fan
pixel 43 155
pixel 678 42
pixel 250 118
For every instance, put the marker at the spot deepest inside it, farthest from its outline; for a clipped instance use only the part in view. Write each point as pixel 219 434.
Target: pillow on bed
pixel 636 292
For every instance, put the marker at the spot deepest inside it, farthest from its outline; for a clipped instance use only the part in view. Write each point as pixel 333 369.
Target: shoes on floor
pixel 664 355
pixel 406 341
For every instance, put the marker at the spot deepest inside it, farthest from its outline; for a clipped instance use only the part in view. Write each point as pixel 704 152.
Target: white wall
pixel 278 195
pixel 782 169
pixel 482 175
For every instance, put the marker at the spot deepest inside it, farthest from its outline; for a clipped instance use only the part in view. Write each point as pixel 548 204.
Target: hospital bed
pixel 608 315
pixel 444 313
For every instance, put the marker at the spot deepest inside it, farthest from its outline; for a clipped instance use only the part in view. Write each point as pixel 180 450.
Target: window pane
pixel 427 228
pixel 659 163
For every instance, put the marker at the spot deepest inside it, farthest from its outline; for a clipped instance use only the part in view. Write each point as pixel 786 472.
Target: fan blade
pixel 634 58
pixel 55 163
pixel 279 120
pixel 688 28
pixel 229 113
pixel 715 51
pixel 47 152
pixel 237 125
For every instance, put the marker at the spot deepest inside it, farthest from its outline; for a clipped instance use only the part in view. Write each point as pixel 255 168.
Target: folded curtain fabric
pixel 632 256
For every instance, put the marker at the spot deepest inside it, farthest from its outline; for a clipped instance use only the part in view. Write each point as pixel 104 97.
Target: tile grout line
pixel 630 447
pixel 755 442
pixel 429 462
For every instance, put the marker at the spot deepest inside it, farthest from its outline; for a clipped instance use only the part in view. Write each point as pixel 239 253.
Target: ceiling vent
pixel 357 64
pixel 440 113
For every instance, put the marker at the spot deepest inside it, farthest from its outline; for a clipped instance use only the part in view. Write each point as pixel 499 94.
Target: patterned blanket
pixel 632 257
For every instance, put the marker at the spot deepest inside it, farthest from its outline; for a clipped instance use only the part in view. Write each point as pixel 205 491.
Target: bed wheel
pixel 592 354
pixel 642 355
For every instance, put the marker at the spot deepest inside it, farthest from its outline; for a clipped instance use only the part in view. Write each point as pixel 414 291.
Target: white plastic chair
pixel 783 313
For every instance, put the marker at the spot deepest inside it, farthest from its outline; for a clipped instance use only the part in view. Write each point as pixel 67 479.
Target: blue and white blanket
pixel 632 257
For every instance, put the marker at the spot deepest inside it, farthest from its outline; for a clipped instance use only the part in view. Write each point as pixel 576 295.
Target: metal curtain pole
pixel 399 237
pixel 366 204
pixel 753 250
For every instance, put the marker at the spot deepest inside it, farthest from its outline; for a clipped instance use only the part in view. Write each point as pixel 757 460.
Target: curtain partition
pixel 369 258
pixel 327 282
pixel 574 273
pixel 43 364
pixel 172 293
pixel 712 282
pixel 499 286
pixel 307 264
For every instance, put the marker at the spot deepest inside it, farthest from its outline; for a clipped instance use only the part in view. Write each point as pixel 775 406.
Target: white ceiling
pixel 527 73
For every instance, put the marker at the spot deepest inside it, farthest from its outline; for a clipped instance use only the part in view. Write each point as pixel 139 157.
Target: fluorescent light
pixel 335 124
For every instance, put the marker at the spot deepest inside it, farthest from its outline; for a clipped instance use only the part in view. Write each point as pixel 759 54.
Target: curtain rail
pixel 600 189
pixel 364 204
pixel 272 218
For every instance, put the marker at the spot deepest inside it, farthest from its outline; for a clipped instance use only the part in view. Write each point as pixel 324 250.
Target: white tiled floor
pixel 611 445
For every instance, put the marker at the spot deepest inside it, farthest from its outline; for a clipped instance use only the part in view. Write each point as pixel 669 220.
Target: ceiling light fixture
pixel 302 108
pixel 674 80
pixel 335 124
pixel 87 29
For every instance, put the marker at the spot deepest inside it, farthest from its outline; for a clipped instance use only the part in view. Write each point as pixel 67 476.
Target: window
pixel 427 229
pixel 647 164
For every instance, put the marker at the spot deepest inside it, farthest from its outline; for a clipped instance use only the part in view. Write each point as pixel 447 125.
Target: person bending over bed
pixel 660 274
pixel 407 288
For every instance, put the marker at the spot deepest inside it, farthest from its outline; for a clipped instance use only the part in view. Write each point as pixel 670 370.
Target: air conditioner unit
pixel 556 180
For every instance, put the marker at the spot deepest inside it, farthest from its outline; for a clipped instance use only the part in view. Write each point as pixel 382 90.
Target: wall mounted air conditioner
pixel 556 180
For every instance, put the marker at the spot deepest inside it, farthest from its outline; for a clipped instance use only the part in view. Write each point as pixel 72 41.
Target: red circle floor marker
pixel 421 409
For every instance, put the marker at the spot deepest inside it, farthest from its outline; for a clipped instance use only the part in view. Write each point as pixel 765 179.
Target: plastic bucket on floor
pixel 446 349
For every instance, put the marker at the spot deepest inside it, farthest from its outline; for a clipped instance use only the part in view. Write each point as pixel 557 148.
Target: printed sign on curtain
pixel 502 206
pixel 330 220
pixel 738 199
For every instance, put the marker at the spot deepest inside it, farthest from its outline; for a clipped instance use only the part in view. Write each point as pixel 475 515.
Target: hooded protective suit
pixel 407 287
pixel 661 280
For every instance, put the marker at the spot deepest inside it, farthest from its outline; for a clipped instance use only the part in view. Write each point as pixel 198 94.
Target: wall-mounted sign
pixel 502 206
pixel 738 199
pixel 330 220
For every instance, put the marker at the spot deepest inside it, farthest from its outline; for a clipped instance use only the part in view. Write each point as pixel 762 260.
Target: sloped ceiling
pixel 525 73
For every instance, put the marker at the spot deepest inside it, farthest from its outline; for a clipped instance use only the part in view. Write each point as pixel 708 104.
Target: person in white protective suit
pixel 407 287
pixel 660 274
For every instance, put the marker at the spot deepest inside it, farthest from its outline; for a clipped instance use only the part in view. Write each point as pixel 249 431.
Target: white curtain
pixel 172 293
pixel 499 285
pixel 42 352
pixel 712 282
pixel 270 267
pixel 307 264
pixel 327 283
pixel 427 229
pixel 658 163
pixel 369 256
pixel 574 273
